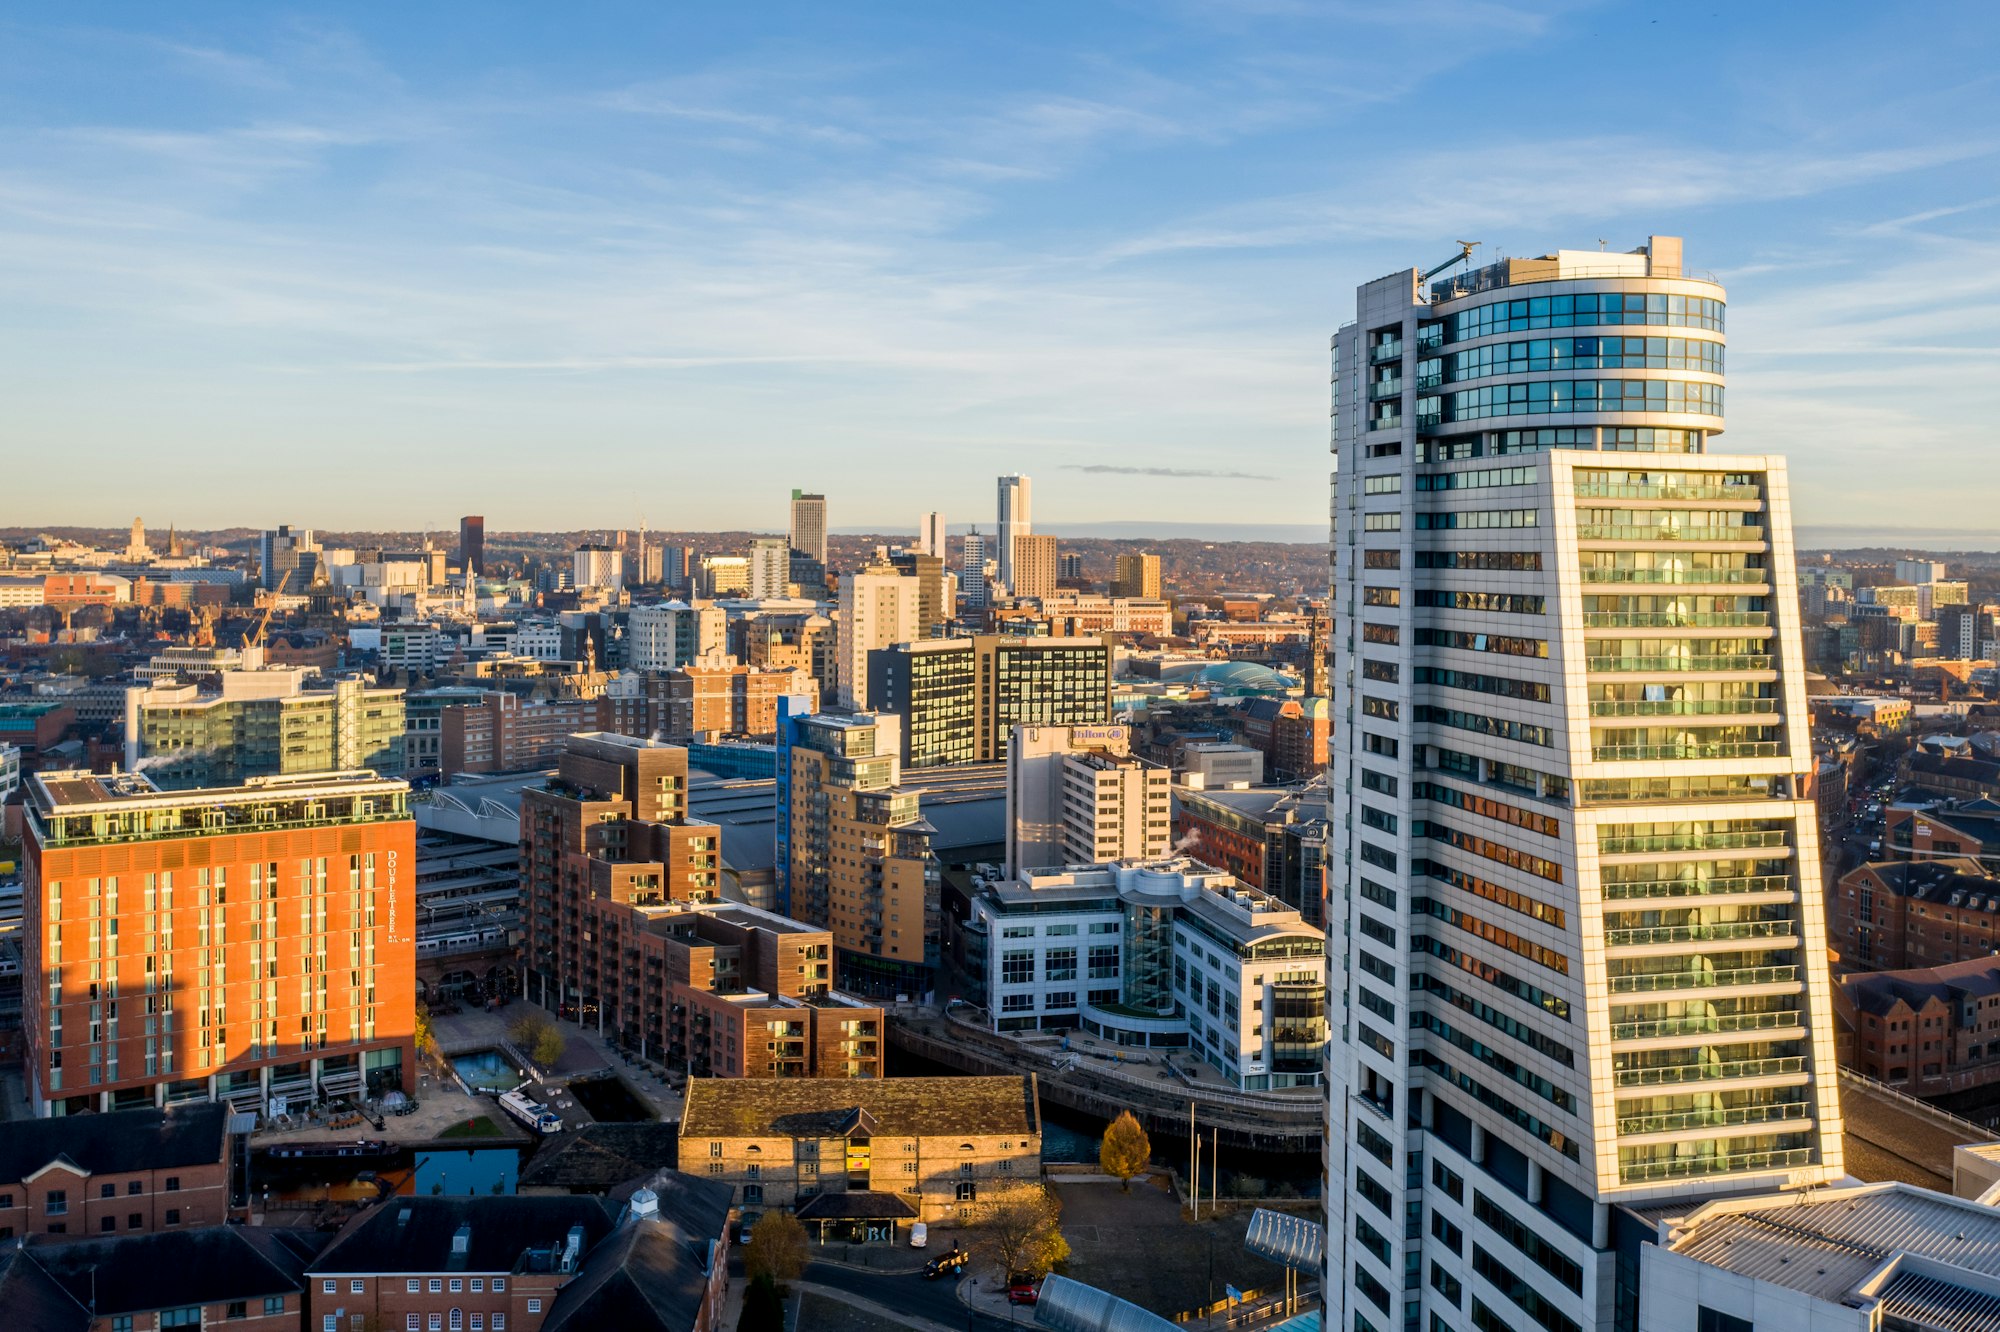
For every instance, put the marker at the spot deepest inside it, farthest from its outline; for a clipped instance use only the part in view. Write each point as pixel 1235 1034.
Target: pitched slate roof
pixel 1934 880
pixel 856 1205
pixel 34 1299
pixel 415 1234
pixel 119 1142
pixel 593 1158
pixel 651 1273
pixel 1877 992
pixel 172 1268
pixel 826 1107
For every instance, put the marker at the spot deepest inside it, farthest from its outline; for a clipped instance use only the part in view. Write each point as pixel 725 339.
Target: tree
pixel 1126 1151
pixel 1024 1231
pixel 536 1036
pixel 526 1029
pixel 763 1307
pixel 549 1046
pixel 777 1248
pixel 426 1038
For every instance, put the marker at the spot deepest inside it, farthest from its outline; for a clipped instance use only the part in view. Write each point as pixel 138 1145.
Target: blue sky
pixel 573 265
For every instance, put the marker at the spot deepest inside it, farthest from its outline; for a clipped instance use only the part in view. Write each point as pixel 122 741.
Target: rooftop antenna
pixel 1464 255
pixel 1601 243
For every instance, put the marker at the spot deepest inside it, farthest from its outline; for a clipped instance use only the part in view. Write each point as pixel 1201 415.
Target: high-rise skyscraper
pixel 972 571
pixel 878 606
pixel 809 526
pixel 1016 520
pixel 1034 566
pixel 1574 844
pixel 472 544
pixel 930 534
pixel 770 567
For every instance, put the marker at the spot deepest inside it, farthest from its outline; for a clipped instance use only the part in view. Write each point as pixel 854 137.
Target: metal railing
pixel 1719 933
pixel 1711 749
pixel 1636 1172
pixel 1704 1026
pixel 1619 532
pixel 1616 665
pixel 1699 577
pixel 1715 1072
pixel 1676 619
pixel 1739 1117
pixel 1659 888
pixel 1663 490
pixel 1684 707
pixel 1719 841
pixel 1652 982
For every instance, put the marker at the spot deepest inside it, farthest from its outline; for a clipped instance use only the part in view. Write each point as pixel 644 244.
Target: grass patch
pixel 481 1127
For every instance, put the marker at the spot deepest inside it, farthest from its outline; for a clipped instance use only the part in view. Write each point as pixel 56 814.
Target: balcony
pixel 1704 1026
pixel 1669 490
pixel 1391 387
pixel 1727 887
pixel 1684 707
pixel 1389 349
pixel 1676 619
pixel 1680 1074
pixel 1700 749
pixel 1771 839
pixel 1654 982
pixel 1759 578
pixel 1678 934
pixel 1676 665
pixel 1618 532
pixel 1691 1167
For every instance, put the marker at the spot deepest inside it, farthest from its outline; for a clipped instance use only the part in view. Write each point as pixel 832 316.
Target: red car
pixel 1023 1289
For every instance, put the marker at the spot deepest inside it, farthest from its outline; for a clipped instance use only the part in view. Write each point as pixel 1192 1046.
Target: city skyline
pixel 1104 249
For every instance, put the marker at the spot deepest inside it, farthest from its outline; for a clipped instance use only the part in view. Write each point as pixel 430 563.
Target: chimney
pixel 572 1248
pixel 461 1239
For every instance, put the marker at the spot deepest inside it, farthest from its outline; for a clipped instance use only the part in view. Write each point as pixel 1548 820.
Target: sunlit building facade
pixel 1572 837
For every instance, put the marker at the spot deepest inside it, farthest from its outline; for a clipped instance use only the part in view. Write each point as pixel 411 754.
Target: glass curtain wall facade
pixel 1570 815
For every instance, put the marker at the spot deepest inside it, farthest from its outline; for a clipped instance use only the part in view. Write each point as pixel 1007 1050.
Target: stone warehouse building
pixel 863 1159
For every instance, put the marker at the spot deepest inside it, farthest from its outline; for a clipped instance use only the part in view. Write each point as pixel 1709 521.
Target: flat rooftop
pixel 1826 1243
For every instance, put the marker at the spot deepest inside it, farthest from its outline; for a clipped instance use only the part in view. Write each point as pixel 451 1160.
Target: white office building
pixel 972 572
pixel 1076 795
pixel 878 608
pixel 771 566
pixel 10 771
pixel 1016 520
pixel 1572 844
pixel 930 534
pixel 673 634
pixel 537 639
pixel 1160 954
pixel 597 566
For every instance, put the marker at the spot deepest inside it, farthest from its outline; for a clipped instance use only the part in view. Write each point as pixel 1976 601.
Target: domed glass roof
pixel 1243 677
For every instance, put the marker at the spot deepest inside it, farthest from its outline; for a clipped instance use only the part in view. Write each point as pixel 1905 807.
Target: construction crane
pixel 1465 249
pixel 255 638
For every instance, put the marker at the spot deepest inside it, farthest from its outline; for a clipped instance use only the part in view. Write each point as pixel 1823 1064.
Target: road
pixel 910 1293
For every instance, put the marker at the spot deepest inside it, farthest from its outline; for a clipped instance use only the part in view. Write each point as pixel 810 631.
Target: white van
pixel 920 1234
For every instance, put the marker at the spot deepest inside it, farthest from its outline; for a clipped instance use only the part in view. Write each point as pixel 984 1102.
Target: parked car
pixel 743 1227
pixel 920 1235
pixel 949 1263
pixel 1023 1289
